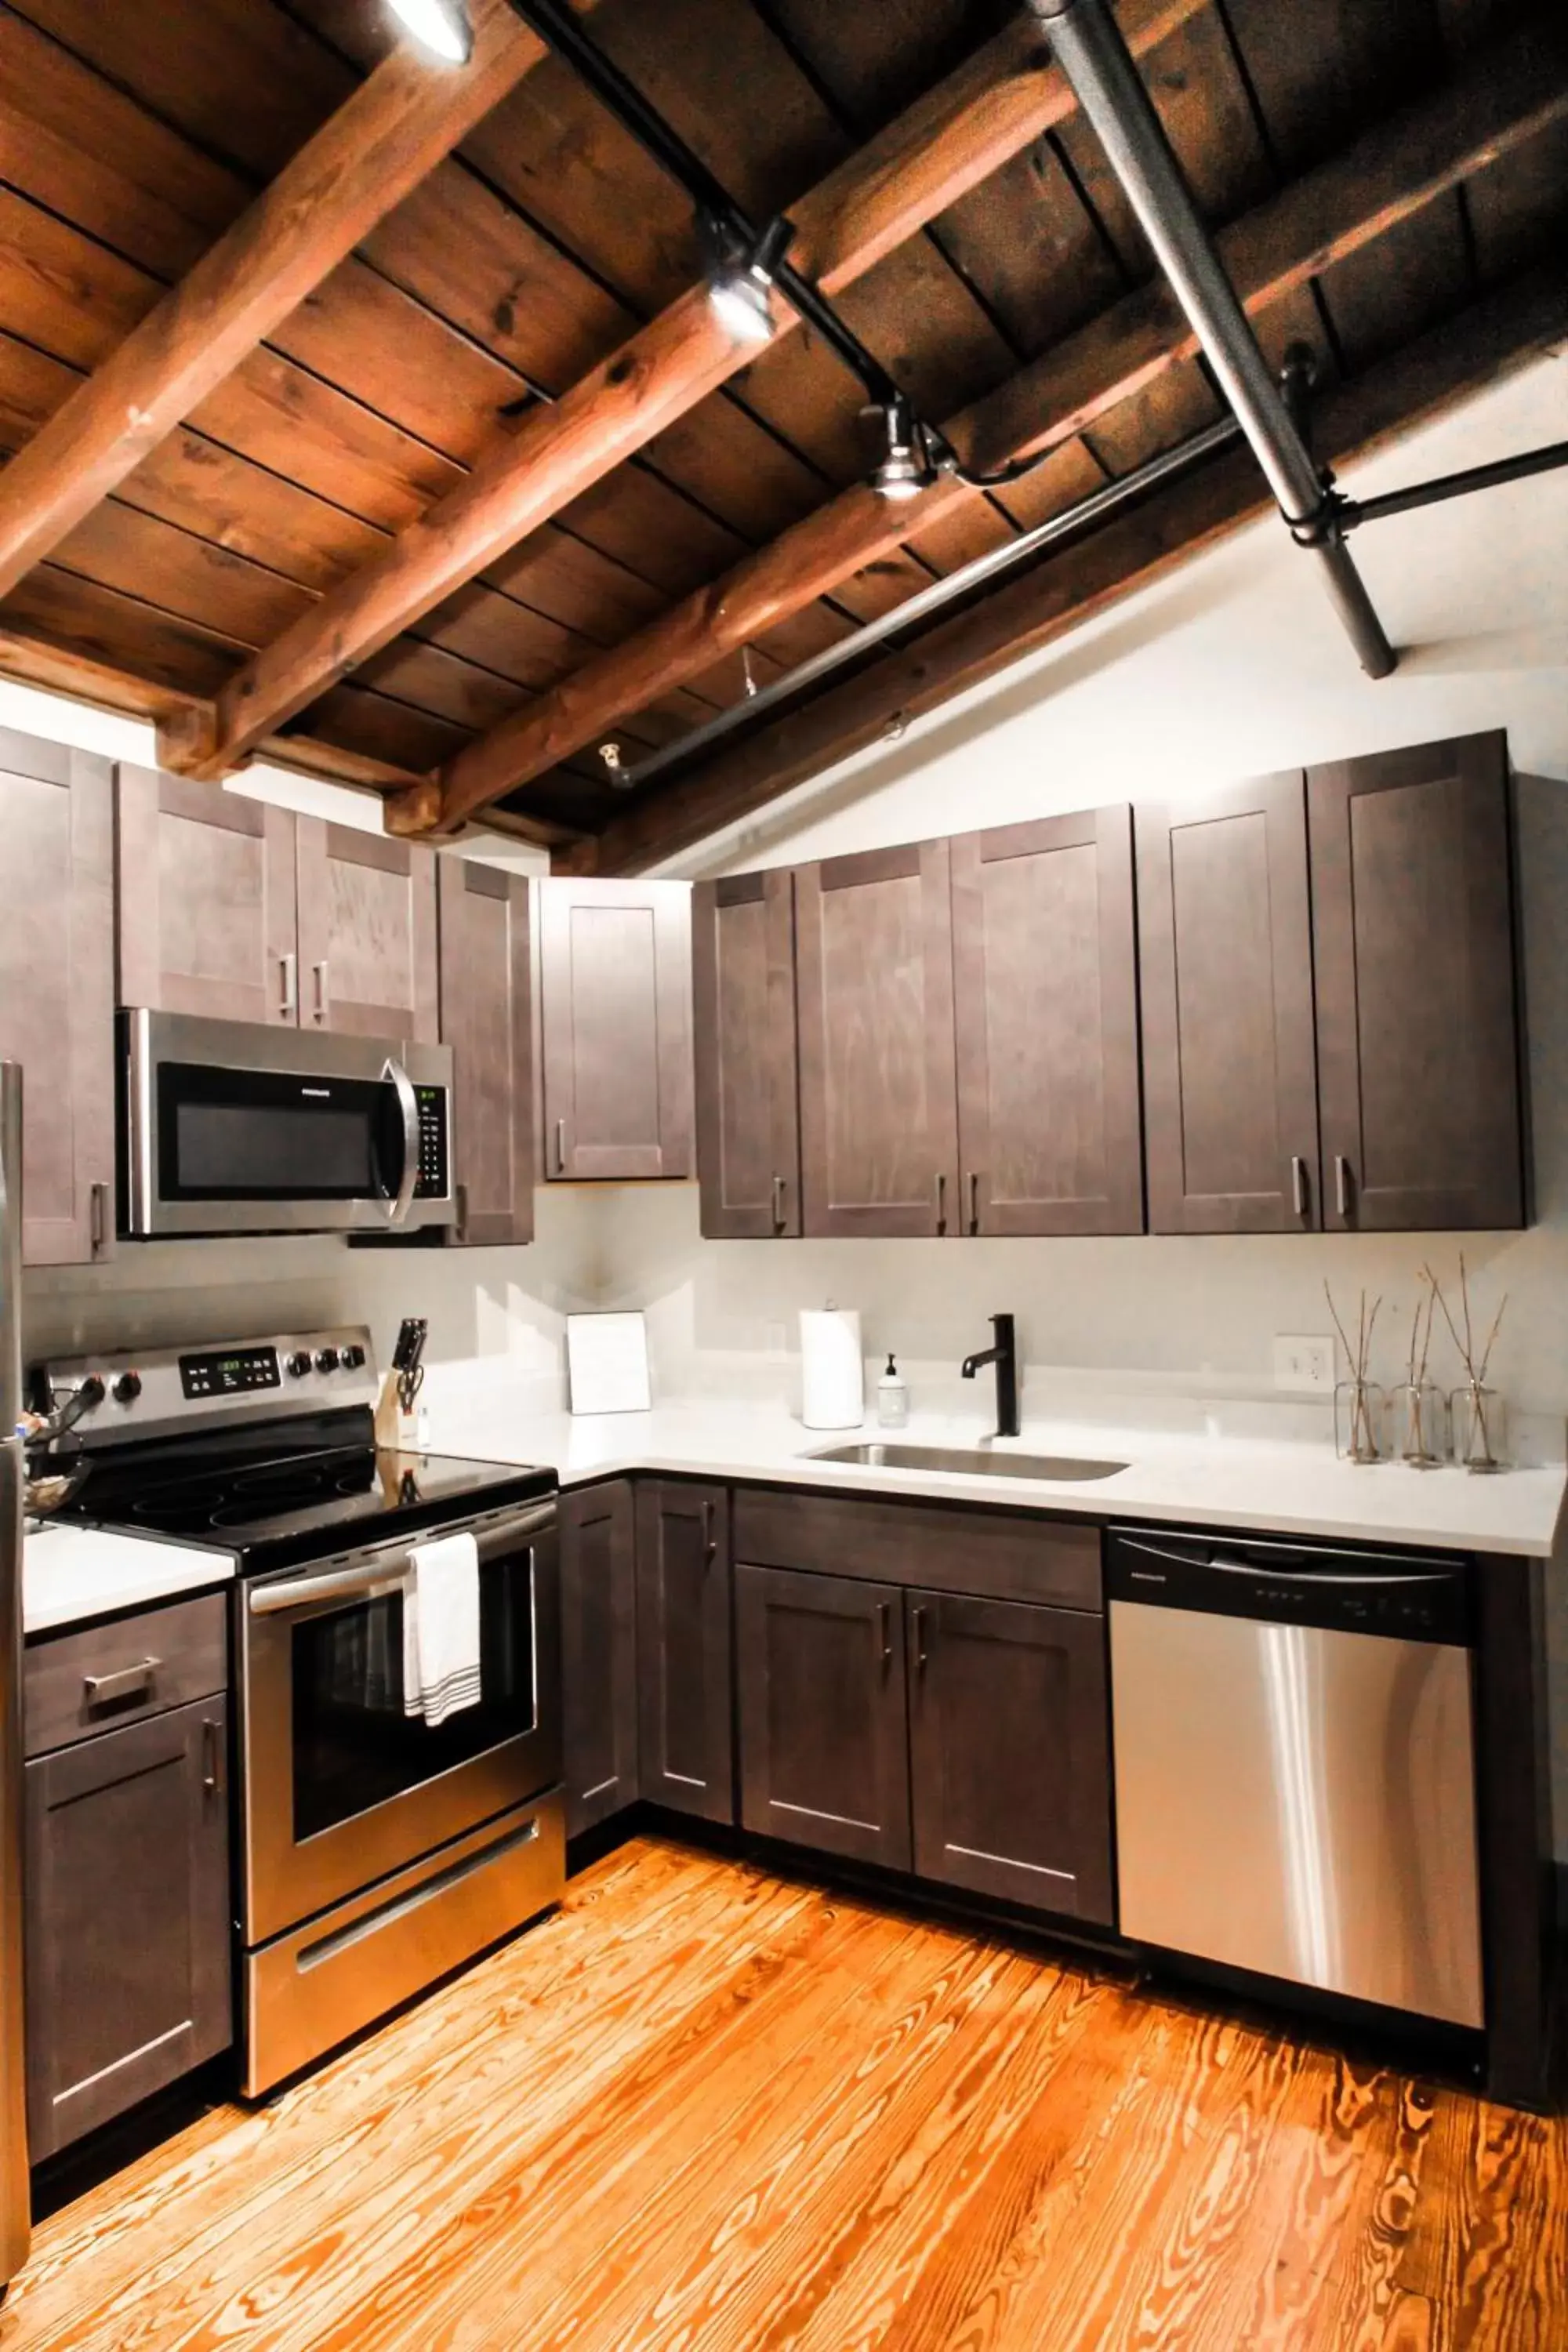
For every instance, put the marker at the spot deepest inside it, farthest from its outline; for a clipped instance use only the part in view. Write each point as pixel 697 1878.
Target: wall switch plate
pixel 1306 1365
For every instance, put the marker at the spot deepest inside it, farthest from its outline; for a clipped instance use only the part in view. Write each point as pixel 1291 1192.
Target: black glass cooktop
pixel 298 1505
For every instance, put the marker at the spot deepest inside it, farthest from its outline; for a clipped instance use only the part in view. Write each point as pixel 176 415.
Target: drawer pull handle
pixel 131 1682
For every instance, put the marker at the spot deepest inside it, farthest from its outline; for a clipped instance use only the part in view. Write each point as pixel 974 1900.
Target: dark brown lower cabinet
pixel 598 1652
pixel 824 1728
pixel 1010 1753
pixel 127 1918
pixel 685 1697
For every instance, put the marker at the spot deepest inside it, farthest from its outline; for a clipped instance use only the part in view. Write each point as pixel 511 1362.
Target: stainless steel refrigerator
pixel 14 2204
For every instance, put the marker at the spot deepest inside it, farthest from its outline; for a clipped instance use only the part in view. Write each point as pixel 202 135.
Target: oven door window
pixel 273 1135
pixel 353 1746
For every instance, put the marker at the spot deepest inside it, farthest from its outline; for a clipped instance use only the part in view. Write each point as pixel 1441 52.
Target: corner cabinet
pixel 57 992
pixel 614 984
pixel 598 1652
pixel 685 1683
pixel 748 1112
pixel 1418 1036
pixel 486 1018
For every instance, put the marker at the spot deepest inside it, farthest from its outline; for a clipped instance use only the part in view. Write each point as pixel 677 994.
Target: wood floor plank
pixel 705 2108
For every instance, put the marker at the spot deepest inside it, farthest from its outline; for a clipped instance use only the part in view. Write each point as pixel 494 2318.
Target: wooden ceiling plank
pixel 383 138
pixel 1343 206
pixel 1501 331
pixel 861 212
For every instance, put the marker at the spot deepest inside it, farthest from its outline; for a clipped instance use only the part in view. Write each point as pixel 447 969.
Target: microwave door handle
pixel 409 1103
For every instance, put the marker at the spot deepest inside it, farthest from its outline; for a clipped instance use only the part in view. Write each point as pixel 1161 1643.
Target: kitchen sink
pixel 977 1461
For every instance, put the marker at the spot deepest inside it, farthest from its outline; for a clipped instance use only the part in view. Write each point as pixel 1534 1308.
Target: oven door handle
pixel 409 1103
pixel 300 1591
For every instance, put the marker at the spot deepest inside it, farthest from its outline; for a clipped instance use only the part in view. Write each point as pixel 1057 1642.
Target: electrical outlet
pixel 1306 1365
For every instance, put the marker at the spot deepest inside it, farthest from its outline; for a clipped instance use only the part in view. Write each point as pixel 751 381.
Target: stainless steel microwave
pixel 232 1128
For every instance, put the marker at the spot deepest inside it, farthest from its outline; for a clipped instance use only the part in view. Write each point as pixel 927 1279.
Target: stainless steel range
pixel 377 1849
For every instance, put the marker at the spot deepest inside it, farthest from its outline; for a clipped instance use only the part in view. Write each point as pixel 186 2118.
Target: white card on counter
pixel 606 1363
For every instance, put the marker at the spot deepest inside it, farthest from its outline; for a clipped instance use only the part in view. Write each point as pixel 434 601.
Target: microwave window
pixel 228 1148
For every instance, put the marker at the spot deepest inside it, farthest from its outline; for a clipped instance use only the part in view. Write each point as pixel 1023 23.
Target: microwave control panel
pixel 433 1181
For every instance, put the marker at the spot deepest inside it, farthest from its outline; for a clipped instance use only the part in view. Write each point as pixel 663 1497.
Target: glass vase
pixel 1423 1425
pixel 1359 1409
pixel 1480 1419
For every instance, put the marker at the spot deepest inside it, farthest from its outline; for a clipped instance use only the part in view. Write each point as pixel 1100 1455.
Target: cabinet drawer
pixel 79 1684
pixel 1002 1554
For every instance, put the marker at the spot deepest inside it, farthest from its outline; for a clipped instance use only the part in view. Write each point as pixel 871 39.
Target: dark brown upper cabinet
pixel 1417 1022
pixel 1045 1002
pixel 615 991
pixel 207 904
pixel 56 991
pixel 748 1118
pixel 879 1110
pixel 1230 1102
pixel 486 1018
pixel 367 933
pixel 824 1728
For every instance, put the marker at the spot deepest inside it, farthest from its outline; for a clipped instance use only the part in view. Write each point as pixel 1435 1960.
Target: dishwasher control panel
pixel 1407 1597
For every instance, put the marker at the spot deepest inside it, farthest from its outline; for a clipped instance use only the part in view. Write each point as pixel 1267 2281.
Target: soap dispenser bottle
pixel 892 1399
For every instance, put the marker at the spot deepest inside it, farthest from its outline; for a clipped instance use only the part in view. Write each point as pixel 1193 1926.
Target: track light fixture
pixel 905 468
pixel 441 27
pixel 740 269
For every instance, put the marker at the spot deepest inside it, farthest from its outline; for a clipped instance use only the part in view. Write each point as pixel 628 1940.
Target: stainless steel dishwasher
pixel 1294 1764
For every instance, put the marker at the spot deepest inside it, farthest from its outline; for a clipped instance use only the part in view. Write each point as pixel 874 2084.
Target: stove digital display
pixel 230 1375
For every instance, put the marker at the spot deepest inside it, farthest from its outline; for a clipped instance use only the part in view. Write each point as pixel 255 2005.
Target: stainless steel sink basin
pixel 977 1461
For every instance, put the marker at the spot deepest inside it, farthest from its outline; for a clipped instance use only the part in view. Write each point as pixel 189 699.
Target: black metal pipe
pixel 1090 49
pixel 1099 507
pixel 1352 512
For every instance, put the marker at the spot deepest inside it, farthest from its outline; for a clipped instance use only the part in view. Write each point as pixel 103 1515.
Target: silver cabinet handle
pixel 460 1202
pixel 885 1628
pixel 129 1682
pixel 561 1147
pixel 709 1539
pixel 974 1200
pixel 323 998
pixel 408 1103
pixel 778 1205
pixel 1342 1184
pixel 923 1656
pixel 289 1002
pixel 211 1779
pixel 1298 1183
pixel 98 1219
pixel 941 1201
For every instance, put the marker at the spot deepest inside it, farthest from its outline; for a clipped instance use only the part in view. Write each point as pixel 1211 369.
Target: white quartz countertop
pixel 72 1573
pixel 1296 1489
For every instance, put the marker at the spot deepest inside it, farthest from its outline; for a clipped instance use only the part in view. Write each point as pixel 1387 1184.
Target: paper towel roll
pixel 832 1373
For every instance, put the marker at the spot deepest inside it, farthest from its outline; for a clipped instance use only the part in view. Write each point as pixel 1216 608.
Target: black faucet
pixel 1004 1356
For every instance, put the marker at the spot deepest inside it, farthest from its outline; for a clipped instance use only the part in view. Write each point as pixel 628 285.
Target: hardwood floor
pixel 706 2108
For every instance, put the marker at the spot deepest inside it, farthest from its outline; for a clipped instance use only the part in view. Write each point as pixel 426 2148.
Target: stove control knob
pixel 127 1388
pixel 299 1365
pixel 326 1360
pixel 353 1359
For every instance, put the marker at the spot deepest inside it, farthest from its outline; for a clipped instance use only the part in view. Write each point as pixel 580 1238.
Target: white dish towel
pixel 441 1629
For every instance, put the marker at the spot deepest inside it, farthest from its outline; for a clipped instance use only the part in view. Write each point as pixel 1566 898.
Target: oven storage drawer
pixel 76 1685
pixel 319 1984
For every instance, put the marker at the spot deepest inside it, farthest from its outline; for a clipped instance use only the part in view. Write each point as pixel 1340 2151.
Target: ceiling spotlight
pixel 441 27
pixel 905 469
pixel 740 275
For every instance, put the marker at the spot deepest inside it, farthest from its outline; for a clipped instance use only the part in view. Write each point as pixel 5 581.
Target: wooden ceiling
pixel 401 443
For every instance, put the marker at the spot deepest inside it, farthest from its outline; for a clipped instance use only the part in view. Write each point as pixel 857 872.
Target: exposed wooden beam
pixel 1452 362
pixel 954 138
pixel 1380 181
pixel 382 141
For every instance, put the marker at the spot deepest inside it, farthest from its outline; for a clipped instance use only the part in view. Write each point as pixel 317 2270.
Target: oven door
pixel 230 1128
pixel 339 1787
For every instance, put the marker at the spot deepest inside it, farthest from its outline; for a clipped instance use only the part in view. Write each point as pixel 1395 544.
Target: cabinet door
pixel 128 1918
pixel 1229 1076
pixel 1010 1751
pixel 206 900
pixel 748 1122
pixel 367 933
pixel 486 1018
pixel 824 1728
pixel 1046 1001
pixel 616 1014
pixel 1418 1043
pixel 684 1681
pixel 598 1652
pixel 878 1108
pixel 57 992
